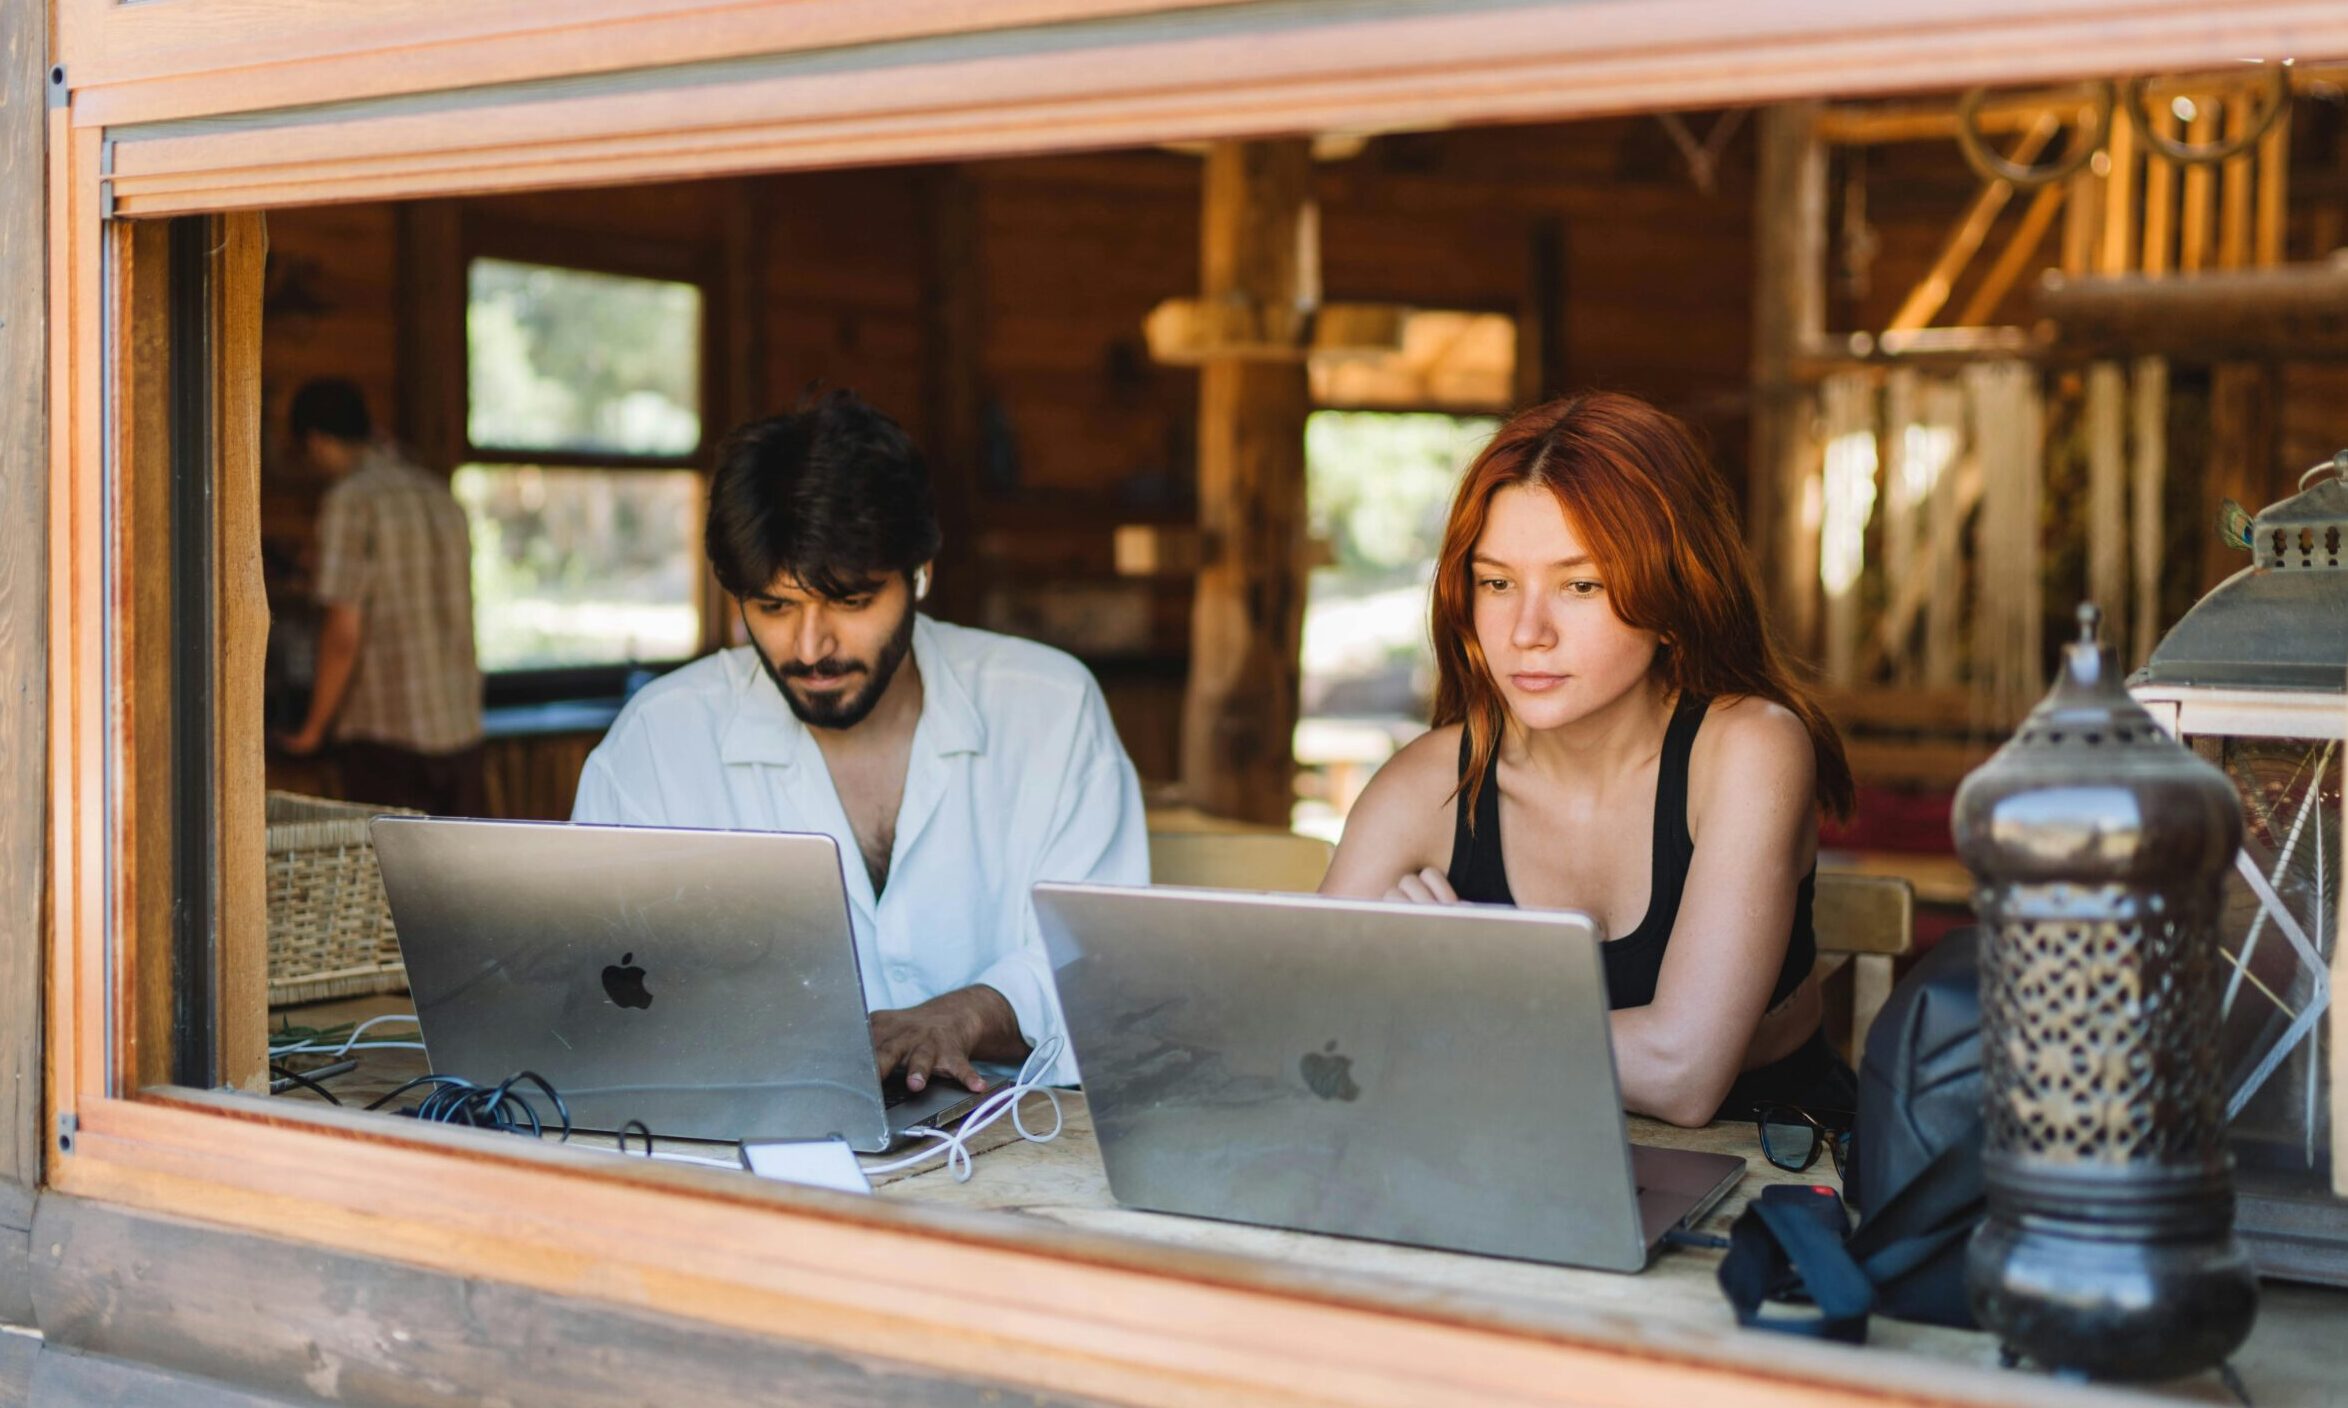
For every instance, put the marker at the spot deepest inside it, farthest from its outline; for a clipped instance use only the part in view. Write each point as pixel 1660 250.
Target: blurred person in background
pixel 397 689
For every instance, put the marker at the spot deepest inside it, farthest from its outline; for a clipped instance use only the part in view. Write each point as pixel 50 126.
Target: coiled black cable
pixel 455 1100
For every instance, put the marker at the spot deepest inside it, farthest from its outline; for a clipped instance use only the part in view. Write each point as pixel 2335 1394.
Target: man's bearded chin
pixel 842 709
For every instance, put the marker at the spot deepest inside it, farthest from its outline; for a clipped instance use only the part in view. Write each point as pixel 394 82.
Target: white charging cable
pixel 350 1043
pixel 956 1145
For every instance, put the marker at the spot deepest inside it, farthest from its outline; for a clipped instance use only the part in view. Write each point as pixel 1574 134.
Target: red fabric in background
pixel 1907 822
pixel 1894 819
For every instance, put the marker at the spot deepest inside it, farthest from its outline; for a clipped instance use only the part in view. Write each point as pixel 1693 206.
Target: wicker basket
pixel 330 929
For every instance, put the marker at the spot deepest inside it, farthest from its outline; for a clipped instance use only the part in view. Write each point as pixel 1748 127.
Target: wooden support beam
pixel 2117 251
pixel 1540 322
pixel 2082 223
pixel 2200 183
pixel 2160 199
pixel 24 607
pixel 2234 190
pixel 1928 579
pixel 2273 222
pixel 2020 253
pixel 1880 123
pixel 953 303
pixel 1789 318
pixel 1971 229
pixel 432 358
pixel 1247 618
pixel 2149 410
pixel 2296 311
pixel 2107 530
pixel 2245 430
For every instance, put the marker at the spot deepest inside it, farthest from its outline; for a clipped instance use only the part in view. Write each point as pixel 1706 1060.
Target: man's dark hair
pixel 330 406
pixel 832 492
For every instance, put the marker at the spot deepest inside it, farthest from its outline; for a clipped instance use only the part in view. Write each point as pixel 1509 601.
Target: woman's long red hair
pixel 1656 518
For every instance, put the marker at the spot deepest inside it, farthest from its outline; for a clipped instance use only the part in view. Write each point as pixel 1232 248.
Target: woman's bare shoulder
pixel 1752 747
pixel 1424 770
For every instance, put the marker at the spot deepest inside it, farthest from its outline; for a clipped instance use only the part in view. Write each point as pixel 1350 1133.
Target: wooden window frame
pixel 1065 1312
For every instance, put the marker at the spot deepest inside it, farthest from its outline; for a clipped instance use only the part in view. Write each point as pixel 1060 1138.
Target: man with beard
pixel 955 767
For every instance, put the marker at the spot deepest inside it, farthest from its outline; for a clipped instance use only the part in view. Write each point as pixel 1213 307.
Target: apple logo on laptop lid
pixel 623 983
pixel 1329 1075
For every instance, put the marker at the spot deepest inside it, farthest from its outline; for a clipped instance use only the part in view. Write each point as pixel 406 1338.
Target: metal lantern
pixel 2098 846
pixel 2255 679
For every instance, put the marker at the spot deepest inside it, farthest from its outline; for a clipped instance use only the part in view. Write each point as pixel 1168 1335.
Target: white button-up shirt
pixel 1015 776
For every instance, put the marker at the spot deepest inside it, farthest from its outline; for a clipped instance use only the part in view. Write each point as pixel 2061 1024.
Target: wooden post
pixel 1540 323
pixel 2160 198
pixel 1789 311
pixel 432 278
pixel 24 642
pixel 953 304
pixel 742 290
pixel 241 605
pixel 2200 184
pixel 2244 431
pixel 1247 619
pixel 2244 420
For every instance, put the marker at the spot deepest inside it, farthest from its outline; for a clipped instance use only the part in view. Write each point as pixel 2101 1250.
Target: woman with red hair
pixel 1615 733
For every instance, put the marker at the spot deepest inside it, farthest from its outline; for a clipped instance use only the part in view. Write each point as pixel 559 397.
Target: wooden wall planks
pixel 24 604
pixel 288 1319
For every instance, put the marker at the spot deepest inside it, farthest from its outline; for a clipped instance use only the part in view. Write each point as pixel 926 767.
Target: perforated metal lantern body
pixel 2097 845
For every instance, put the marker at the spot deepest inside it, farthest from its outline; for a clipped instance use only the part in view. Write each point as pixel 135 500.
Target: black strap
pixel 1778 1255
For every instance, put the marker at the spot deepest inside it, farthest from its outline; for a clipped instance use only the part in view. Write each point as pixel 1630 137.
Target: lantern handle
pixel 2336 466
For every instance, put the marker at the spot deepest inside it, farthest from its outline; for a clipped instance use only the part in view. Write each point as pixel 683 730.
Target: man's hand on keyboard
pixel 941 1037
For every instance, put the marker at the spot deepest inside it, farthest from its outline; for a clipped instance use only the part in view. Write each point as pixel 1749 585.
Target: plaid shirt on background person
pixel 393 542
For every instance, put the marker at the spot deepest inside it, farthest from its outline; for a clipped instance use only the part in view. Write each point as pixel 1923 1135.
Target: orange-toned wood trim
pixel 81 740
pixel 142 451
pixel 1543 61
pixel 145 64
pixel 1064 1311
pixel 241 636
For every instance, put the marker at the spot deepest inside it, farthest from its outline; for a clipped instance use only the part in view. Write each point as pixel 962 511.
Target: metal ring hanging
pixel 1992 164
pixel 2336 466
pixel 2210 153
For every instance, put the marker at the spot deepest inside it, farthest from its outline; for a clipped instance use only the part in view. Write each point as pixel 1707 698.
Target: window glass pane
pixel 582 566
pixel 1379 486
pixel 562 360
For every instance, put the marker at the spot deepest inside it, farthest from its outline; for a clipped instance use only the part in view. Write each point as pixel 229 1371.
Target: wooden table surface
pixel 2286 1363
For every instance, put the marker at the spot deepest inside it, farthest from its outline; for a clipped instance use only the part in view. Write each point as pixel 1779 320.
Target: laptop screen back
pixel 702 982
pixel 1436 1076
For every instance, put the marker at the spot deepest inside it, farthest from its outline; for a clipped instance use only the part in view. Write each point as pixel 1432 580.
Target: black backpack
pixel 1913 1172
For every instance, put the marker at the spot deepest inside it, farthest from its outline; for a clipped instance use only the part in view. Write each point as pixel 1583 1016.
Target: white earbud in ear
pixel 920 583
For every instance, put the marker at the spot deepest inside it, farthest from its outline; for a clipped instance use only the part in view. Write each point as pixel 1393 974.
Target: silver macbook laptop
pixel 1436 1076
pixel 704 983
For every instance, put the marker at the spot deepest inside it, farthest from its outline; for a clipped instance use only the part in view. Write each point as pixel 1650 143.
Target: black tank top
pixel 1635 960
